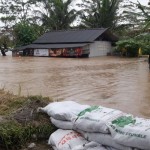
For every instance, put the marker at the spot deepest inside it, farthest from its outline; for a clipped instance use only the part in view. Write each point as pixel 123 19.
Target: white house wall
pixel 100 48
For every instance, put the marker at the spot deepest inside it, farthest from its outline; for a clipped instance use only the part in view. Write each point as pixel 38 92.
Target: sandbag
pixel 63 110
pixel 66 125
pixel 90 146
pixel 71 140
pixel 94 146
pixel 105 139
pixel 95 118
pixel 129 131
pixel 66 139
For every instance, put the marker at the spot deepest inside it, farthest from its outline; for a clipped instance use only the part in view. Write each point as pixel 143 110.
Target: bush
pixel 144 40
pixel 128 47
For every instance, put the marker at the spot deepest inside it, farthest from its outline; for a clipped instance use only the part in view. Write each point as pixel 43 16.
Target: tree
pixel 135 18
pixel 99 13
pixel 7 13
pixel 25 33
pixel 146 13
pixel 57 14
pixel 14 11
pixel 4 43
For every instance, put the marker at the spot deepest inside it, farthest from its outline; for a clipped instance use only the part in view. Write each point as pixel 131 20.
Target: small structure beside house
pixel 72 43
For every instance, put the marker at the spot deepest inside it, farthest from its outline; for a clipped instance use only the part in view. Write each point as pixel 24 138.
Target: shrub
pixel 128 47
pixel 144 40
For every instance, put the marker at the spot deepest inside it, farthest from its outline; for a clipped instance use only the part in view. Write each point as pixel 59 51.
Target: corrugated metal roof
pixel 43 46
pixel 71 36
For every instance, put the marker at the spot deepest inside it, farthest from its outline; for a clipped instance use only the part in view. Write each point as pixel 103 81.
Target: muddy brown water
pixel 118 83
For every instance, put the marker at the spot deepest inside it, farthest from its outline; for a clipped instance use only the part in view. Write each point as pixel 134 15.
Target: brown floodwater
pixel 119 83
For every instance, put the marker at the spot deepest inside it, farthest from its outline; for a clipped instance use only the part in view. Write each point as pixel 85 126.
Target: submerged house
pixel 72 43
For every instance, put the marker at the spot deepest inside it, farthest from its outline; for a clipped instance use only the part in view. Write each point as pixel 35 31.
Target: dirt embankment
pixel 21 124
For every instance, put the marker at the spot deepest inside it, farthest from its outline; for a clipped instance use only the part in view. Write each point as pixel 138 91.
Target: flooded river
pixel 108 81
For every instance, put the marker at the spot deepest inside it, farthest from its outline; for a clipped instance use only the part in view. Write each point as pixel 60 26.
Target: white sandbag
pixel 95 118
pixel 129 131
pixel 66 139
pixel 97 146
pixel 71 140
pixel 94 146
pixel 63 110
pixel 66 125
pixel 90 146
pixel 105 139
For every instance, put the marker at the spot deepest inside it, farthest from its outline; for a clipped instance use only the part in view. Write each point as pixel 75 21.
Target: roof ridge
pixel 77 29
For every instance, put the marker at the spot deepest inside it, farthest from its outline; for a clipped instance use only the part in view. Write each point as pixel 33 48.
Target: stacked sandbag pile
pixel 72 140
pixel 62 113
pixel 94 122
pixel 105 126
pixel 133 132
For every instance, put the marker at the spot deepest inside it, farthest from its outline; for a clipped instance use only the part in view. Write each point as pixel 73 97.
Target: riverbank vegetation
pixel 134 47
pixel 25 20
pixel 20 122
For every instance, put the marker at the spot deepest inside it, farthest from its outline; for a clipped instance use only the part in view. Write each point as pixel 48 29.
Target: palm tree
pixel 100 13
pixel 146 14
pixel 58 14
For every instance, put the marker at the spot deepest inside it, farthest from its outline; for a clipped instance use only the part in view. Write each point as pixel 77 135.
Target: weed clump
pixel 13 136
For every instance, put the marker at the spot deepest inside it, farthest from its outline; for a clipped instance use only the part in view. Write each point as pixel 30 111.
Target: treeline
pixel 25 20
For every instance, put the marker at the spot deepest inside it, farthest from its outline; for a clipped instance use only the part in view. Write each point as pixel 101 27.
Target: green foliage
pixel 59 14
pixel 128 47
pixel 13 135
pixel 144 40
pixel 100 13
pixel 12 12
pixel 25 33
pixel 5 40
pixel 134 19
